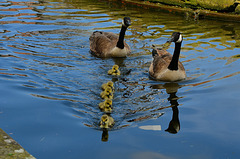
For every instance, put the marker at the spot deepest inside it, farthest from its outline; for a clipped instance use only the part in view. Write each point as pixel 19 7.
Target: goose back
pixel 102 44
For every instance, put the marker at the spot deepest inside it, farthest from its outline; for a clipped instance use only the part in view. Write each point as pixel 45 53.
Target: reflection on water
pixel 171 89
pixel 50 52
pixel 174 125
pixel 54 62
pixel 45 54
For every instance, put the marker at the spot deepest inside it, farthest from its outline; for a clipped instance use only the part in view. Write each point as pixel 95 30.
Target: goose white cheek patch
pixel 123 23
pixel 179 39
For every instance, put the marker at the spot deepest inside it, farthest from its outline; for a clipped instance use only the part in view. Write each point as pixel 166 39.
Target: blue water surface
pixel 50 83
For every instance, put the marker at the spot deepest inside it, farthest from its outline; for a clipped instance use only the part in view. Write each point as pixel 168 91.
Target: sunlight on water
pixel 45 55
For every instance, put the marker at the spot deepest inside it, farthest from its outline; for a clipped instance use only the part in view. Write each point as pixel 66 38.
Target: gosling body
pixel 106 106
pixel 108 84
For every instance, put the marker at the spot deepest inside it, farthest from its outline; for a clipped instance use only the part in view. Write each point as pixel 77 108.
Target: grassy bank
pixel 10 149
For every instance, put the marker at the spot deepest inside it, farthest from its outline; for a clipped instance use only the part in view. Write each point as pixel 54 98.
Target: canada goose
pixel 106 121
pixel 108 84
pixel 106 106
pixel 166 67
pixel 114 71
pixel 108 44
pixel 107 93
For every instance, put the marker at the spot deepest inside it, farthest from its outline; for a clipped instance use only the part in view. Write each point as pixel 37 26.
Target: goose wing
pixel 160 63
pixel 161 60
pixel 167 58
pixel 102 43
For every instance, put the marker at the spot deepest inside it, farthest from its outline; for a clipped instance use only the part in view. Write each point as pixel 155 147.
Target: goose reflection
pixel 174 125
pixel 171 89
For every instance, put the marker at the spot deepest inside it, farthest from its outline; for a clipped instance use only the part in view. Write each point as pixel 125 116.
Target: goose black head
pixel 176 37
pixel 126 21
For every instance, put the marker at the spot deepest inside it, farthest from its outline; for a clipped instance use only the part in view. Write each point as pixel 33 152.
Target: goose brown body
pixel 159 67
pixel 103 44
pixel 165 66
pixel 108 44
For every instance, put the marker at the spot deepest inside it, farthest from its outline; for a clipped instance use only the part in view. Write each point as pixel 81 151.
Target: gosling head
pixel 104 121
pixel 126 21
pixel 110 84
pixel 108 90
pixel 176 37
pixel 115 67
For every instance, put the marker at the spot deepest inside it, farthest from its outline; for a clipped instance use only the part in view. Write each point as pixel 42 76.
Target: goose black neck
pixel 120 43
pixel 174 63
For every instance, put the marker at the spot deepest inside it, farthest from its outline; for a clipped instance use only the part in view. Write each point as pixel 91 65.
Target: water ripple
pixel 47 53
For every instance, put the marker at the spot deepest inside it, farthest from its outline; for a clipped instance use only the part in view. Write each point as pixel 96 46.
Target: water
pixel 50 83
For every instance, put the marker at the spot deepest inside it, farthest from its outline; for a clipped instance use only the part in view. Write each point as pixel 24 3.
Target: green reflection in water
pixel 150 24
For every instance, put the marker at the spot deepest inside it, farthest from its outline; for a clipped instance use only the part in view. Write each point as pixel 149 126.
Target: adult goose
pixel 167 67
pixel 108 44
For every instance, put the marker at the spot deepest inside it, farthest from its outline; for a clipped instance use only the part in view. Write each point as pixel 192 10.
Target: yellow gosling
pixel 106 106
pixel 108 84
pixel 114 71
pixel 106 121
pixel 107 93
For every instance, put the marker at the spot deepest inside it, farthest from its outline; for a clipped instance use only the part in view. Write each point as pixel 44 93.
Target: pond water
pixel 50 83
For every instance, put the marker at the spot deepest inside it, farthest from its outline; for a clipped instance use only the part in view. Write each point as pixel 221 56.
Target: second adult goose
pixel 167 67
pixel 108 44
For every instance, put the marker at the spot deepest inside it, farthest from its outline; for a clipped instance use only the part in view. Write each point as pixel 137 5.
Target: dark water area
pixel 50 83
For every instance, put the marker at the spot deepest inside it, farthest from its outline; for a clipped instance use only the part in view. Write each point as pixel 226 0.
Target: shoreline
pixel 194 13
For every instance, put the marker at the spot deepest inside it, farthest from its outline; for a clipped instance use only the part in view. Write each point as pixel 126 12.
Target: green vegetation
pixel 217 5
pixel 10 149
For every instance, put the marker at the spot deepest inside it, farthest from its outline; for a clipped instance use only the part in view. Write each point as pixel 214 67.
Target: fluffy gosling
pixel 114 71
pixel 106 106
pixel 108 84
pixel 107 93
pixel 106 121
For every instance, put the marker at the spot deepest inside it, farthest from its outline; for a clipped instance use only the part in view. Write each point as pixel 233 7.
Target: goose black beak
pixel 170 40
